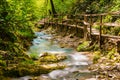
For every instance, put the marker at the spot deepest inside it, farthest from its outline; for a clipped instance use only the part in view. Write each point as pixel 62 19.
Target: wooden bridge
pixel 86 22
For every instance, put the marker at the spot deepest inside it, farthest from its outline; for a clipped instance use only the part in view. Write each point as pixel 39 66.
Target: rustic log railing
pixel 87 21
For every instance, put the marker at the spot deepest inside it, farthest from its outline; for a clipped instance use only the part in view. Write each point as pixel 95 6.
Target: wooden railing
pixel 86 21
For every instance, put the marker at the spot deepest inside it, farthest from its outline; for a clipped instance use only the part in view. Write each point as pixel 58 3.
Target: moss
pixel 96 27
pixel 87 46
pixel 10 72
pixel 34 56
pixel 96 57
pixel 1 57
pixel 111 53
pixel 27 62
pixel 108 18
pixel 24 71
pixel 47 57
pixel 2 63
pixel 1 72
pixel 29 67
pixel 4 78
pixel 83 46
pixel 116 31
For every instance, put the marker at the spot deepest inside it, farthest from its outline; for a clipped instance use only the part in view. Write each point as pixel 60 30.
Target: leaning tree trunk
pixel 53 8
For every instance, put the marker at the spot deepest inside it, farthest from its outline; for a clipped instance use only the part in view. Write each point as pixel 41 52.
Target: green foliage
pixel 34 56
pixel 1 57
pixel 87 46
pixel 60 7
pixel 27 62
pixel 97 55
pixel 111 53
pixel 95 6
pixel 116 5
pixel 48 57
pixel 2 63
pixel 116 31
pixel 108 18
pixel 63 7
pixel 96 27
pixel 83 46
pixel 16 21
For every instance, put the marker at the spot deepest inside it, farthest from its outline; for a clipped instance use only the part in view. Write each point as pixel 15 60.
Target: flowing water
pixel 77 63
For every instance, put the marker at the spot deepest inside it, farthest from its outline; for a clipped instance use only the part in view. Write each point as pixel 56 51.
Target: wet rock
pixel 118 66
pixel 71 35
pixel 58 74
pixel 91 79
pixel 54 66
pixel 44 54
pixel 48 57
pixel 26 78
pixel 43 77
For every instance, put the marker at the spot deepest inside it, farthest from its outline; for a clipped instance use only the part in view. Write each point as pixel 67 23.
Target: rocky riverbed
pixel 106 67
pixel 63 63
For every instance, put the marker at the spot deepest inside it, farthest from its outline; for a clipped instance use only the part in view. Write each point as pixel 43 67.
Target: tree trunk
pixel 53 8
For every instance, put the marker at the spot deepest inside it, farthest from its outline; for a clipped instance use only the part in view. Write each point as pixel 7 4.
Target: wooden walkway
pixel 85 22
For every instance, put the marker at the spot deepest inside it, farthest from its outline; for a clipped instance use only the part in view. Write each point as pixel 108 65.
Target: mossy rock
pixel 48 57
pixel 34 56
pixel 10 72
pixel 1 71
pixel 20 70
pixel 111 53
pixel 53 66
pixel 4 78
pixel 83 46
pixel 97 55
pixel 26 66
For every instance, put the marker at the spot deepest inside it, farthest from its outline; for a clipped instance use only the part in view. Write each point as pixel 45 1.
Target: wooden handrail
pixel 108 24
pixel 87 20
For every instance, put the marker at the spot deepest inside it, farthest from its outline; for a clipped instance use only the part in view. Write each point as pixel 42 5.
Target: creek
pixel 76 62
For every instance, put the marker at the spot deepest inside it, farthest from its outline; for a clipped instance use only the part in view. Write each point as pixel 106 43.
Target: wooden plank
pixel 107 24
pixel 86 23
pixel 111 24
pixel 91 23
pixel 85 29
pixel 100 32
pixel 107 36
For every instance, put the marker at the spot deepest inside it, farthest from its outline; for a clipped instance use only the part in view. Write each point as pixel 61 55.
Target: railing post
pixel 57 21
pixel 85 27
pixel 76 23
pixel 52 20
pixel 62 22
pixel 62 19
pixel 91 23
pixel 44 21
pixel 100 32
pixel 118 46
